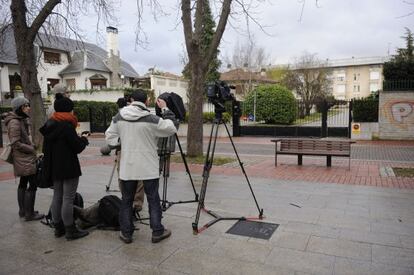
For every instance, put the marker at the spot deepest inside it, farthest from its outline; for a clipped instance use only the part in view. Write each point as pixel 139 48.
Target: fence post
pixel 1 134
pixel 91 119
pixel 350 118
pixel 236 118
pixel 324 126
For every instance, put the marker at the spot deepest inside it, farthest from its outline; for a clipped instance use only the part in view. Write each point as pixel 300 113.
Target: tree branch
pixel 41 18
pixel 188 26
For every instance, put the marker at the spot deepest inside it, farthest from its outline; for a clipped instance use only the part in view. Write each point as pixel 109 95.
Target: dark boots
pixel 73 233
pixel 20 201
pixel 29 201
pixel 59 229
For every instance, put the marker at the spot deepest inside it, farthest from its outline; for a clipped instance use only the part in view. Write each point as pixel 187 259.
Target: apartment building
pixel 356 77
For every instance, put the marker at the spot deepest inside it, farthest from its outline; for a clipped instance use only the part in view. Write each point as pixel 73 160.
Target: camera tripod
pixel 206 172
pixel 165 154
pixel 108 186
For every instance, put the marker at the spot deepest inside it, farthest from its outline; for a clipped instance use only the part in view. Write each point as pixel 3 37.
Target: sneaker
pixel 164 235
pixel 126 240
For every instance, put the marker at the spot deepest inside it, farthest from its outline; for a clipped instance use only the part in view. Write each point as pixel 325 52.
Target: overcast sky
pixel 333 29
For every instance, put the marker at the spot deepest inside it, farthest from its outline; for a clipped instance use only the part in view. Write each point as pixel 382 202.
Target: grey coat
pixel 23 151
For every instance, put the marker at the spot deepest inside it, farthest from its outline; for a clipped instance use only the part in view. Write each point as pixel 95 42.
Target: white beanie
pixel 17 102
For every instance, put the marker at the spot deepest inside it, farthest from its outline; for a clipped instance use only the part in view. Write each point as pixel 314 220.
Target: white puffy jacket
pixel 137 131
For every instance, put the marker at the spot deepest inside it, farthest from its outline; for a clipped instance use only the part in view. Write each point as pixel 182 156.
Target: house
pixel 161 82
pixel 74 64
pixel 245 80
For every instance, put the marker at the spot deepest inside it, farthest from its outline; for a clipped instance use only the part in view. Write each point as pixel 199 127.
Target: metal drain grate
pixel 260 230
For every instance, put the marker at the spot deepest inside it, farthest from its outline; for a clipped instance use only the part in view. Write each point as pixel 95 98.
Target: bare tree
pixel 52 17
pixel 249 53
pixel 310 79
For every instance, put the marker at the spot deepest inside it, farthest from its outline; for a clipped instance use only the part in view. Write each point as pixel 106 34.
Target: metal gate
pixel 316 119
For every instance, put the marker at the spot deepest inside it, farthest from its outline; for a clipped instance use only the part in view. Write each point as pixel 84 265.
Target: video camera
pixel 218 92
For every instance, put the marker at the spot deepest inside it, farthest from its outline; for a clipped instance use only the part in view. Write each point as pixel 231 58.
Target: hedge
pixel 208 117
pixel 275 104
pixel 365 109
pixel 98 109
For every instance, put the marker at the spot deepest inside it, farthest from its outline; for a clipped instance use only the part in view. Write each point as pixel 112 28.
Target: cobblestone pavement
pixel 331 220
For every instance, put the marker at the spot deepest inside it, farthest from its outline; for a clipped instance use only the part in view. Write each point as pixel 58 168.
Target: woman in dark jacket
pixel 24 157
pixel 61 147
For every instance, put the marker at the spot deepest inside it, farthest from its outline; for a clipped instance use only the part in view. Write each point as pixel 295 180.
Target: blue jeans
pixel 128 190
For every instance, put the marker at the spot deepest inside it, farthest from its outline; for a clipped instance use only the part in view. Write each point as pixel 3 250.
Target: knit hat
pixel 62 104
pixel 17 102
pixel 139 95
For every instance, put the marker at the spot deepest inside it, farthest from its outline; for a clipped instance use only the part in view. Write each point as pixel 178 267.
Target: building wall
pixel 356 81
pixel 48 70
pixel 85 83
pixel 396 115
pixel 4 79
pixel 106 96
pixel 161 84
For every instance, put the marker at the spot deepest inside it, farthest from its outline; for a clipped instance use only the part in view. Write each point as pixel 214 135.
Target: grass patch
pixel 403 172
pixel 201 159
pixel 314 117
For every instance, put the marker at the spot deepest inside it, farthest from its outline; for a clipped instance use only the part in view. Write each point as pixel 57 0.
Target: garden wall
pixel 396 115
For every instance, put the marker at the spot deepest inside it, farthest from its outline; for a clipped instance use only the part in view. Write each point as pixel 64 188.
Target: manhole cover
pixel 260 230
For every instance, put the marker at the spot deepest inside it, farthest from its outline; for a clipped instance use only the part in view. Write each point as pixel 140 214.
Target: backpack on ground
pixel 77 202
pixel 108 209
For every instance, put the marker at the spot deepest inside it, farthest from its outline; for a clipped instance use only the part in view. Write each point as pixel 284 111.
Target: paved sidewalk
pixel 325 227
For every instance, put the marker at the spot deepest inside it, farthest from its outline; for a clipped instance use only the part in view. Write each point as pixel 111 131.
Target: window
pixel 356 77
pixel 71 84
pixel 51 82
pixel 98 84
pixel 373 87
pixel 52 58
pixel 340 77
pixel 356 88
pixel 374 75
pixel 161 82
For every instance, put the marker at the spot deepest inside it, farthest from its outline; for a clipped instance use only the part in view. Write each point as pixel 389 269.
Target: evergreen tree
pixel 401 65
pixel 209 26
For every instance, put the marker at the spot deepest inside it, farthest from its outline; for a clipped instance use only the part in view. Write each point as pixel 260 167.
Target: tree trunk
pixel 195 122
pixel 24 38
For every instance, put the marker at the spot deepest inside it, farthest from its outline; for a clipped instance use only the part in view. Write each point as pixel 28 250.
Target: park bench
pixel 314 147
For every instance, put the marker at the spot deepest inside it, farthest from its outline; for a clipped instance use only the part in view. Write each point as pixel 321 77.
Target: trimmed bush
pixel 5 109
pixel 275 104
pixel 365 109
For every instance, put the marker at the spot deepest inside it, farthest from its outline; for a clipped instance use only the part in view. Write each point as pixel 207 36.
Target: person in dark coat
pixel 24 157
pixel 61 147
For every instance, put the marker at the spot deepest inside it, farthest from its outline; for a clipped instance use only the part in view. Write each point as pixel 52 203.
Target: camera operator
pixel 139 193
pixel 137 131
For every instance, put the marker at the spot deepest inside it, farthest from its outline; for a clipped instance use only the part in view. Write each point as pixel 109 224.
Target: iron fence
pixel 398 85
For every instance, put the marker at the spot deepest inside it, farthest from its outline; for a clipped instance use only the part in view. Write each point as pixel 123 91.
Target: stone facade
pixel 396 115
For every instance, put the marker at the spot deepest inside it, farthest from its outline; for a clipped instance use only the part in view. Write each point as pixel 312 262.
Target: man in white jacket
pixel 137 131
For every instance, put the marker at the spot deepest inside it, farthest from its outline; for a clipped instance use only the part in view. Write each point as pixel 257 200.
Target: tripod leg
pixel 244 172
pixel 206 172
pixel 112 176
pixel 186 167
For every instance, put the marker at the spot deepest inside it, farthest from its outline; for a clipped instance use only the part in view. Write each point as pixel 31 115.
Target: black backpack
pixel 42 180
pixel 109 211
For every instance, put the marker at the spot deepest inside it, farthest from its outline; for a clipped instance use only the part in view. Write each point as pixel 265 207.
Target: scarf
pixel 65 116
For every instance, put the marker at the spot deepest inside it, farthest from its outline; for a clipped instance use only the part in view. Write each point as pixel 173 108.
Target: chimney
pixel 112 41
pixel 114 60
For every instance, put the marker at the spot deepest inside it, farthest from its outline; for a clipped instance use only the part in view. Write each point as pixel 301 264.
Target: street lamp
pixel 122 80
pixel 246 65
